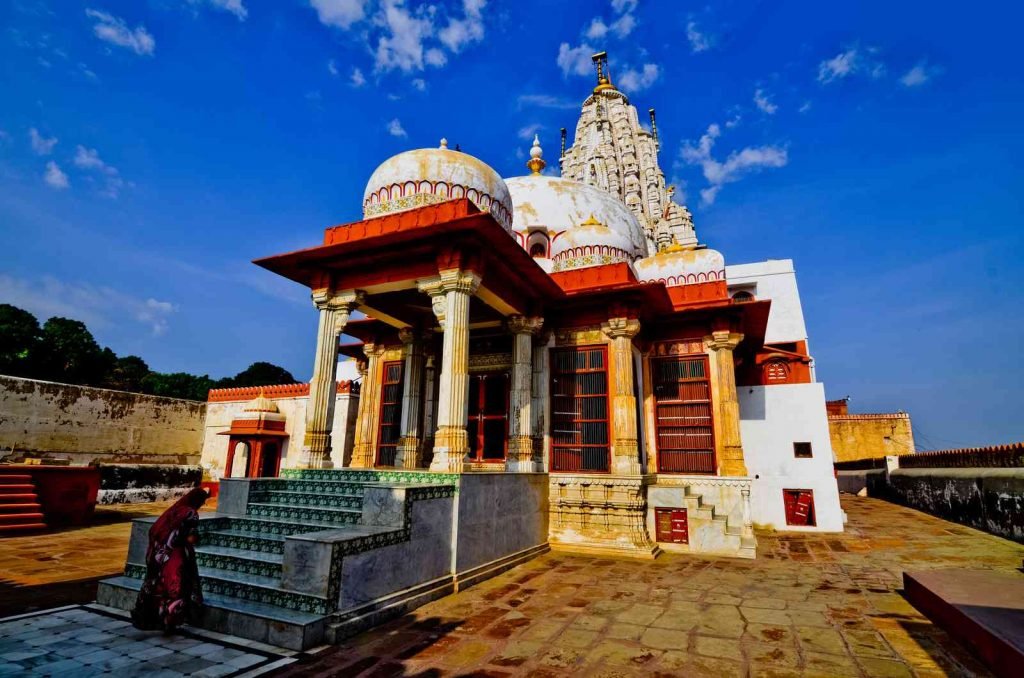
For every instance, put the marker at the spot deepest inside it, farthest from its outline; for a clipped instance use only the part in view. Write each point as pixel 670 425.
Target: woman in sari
pixel 171 594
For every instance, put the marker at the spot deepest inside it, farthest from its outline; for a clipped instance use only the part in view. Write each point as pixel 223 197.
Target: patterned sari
pixel 171 593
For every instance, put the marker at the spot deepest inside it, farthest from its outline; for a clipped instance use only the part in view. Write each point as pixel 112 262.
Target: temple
pixel 559 356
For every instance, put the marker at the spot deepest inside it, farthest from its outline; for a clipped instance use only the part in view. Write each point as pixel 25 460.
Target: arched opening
pixel 240 465
pixel 271 461
pixel 538 244
pixel 538 250
pixel 742 296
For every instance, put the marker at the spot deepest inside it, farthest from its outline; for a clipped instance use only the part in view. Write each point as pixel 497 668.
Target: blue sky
pixel 150 150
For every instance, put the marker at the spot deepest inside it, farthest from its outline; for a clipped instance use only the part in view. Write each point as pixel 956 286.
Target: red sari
pixel 171 593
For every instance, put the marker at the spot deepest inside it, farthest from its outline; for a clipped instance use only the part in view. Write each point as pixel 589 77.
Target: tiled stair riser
pixel 306 514
pixel 248 542
pixel 228 563
pixel 293 498
pixel 332 487
pixel 372 476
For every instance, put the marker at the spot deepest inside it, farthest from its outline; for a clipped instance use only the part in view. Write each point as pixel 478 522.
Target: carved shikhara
pixel 600 514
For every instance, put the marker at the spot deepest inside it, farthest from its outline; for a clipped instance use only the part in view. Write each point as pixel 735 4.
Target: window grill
pixel 390 414
pixel 579 403
pixel 683 417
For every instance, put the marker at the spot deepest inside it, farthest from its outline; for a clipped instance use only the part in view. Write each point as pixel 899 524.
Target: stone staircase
pixel 20 510
pixel 270 560
pixel 711 531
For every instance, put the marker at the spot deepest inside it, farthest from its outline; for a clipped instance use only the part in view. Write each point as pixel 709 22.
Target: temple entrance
pixel 270 462
pixel 682 415
pixel 488 416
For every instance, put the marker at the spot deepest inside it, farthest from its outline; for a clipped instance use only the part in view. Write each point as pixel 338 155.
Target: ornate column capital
pixel 457 280
pixel 371 349
pixel 722 339
pixel 337 301
pixel 521 324
pixel 407 335
pixel 621 327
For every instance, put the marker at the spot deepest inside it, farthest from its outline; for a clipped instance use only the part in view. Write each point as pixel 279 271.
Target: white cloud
pixel 849 62
pixel 115 31
pixel 805 106
pixel 763 101
pixel 621 27
pixel 526 133
pixel 339 13
pixel 357 78
pixel 54 177
pixel 395 128
pixel 435 57
pixel 97 306
pixel 920 74
pixel 738 163
pixel 419 84
pixel 634 81
pixel 401 46
pixel 332 67
pixel 575 60
pixel 40 144
pixel 89 159
pixel 236 7
pixel 699 42
pixel 621 6
pixel 461 32
pixel 546 101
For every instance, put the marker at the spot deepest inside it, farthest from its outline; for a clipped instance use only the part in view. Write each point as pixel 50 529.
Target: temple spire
pixel 536 162
pixel 654 131
pixel 604 79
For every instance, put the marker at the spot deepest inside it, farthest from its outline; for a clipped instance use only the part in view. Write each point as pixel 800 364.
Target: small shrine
pixel 255 440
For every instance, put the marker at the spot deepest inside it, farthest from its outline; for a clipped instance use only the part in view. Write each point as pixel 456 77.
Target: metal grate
pixel 579 403
pixel 683 417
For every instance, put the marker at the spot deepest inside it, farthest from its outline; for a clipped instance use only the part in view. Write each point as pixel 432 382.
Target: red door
pixel 390 414
pixel 671 525
pixel 487 428
pixel 683 419
pixel 799 507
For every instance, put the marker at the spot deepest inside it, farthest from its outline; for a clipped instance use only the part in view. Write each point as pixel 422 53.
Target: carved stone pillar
pixel 541 400
pixel 409 443
pixel 456 288
pixel 625 449
pixel 335 309
pixel 728 444
pixel 520 420
pixel 364 452
pixel 429 407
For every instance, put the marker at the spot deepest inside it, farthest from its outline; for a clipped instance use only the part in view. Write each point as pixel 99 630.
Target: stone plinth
pixel 600 514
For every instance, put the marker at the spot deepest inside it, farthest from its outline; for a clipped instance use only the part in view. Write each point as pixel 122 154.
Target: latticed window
pixel 776 372
pixel 579 404
pixel 390 414
pixel 685 429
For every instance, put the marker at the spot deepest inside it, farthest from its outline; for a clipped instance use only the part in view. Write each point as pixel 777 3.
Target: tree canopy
pixel 64 350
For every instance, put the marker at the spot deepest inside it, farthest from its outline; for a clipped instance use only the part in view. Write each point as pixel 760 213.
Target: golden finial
pixel 591 221
pixel 536 162
pixel 444 144
pixel 604 80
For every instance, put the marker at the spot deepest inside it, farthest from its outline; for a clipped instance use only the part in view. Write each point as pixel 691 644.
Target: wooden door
pixel 799 507
pixel 390 414
pixel 487 428
pixel 683 415
pixel 671 525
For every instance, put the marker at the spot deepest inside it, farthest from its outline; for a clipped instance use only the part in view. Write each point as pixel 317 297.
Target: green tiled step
pixel 250 588
pixel 248 541
pixel 293 498
pixel 326 516
pixel 371 476
pixel 239 560
pixel 340 487
pixel 270 526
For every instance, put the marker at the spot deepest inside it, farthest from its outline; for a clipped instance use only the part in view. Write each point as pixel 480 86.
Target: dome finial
pixel 444 143
pixel 604 80
pixel 536 162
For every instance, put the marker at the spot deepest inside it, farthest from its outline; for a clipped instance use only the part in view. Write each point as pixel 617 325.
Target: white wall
pixel 774 279
pixel 772 418
pixel 220 415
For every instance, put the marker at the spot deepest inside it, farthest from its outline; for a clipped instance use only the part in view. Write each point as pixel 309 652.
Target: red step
pixel 7 478
pixel 20 487
pixel 16 518
pixel 25 497
pixel 24 507
pixel 9 530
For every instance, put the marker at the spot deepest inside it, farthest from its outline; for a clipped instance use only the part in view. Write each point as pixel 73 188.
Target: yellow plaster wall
pixel 870 436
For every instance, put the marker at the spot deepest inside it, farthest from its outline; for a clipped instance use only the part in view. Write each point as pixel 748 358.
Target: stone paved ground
pixel 83 642
pixel 810 605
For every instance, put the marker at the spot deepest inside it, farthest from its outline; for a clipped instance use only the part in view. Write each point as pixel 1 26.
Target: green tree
pixel 128 374
pixel 19 341
pixel 70 354
pixel 258 374
pixel 178 385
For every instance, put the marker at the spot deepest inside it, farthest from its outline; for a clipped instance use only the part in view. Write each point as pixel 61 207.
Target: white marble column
pixel 520 420
pixel 364 450
pixel 625 448
pixel 409 443
pixel 335 309
pixel 456 287
pixel 541 398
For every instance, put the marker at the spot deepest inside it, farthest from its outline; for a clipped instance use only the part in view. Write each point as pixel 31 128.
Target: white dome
pixel 589 244
pixel 679 266
pixel 563 205
pixel 431 175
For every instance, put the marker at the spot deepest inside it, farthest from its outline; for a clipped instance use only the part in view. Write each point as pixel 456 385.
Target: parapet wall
pixel 867 436
pixel 979 487
pixel 48 419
